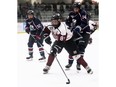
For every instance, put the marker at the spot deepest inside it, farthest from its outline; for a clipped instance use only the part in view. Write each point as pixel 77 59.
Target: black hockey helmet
pixel 55 20
pixel 55 17
pixel 30 12
pixel 77 5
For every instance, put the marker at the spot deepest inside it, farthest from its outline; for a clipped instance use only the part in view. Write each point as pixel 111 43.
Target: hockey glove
pixel 27 31
pixel 48 41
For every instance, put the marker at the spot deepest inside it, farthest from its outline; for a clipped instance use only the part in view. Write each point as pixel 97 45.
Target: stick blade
pixel 68 81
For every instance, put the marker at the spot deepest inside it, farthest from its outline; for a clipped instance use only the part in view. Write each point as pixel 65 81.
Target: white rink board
pixel 21 26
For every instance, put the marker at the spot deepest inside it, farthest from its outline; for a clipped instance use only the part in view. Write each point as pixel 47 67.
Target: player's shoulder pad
pixel 47 29
pixel 37 20
pixel 50 27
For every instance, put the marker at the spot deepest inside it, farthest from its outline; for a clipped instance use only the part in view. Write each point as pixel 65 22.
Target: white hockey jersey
pixel 62 33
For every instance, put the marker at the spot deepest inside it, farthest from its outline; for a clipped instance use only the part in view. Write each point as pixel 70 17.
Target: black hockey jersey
pixel 78 19
pixel 34 26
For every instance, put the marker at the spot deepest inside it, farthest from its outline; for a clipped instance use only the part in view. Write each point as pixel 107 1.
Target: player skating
pixel 34 28
pixel 63 39
pixel 77 21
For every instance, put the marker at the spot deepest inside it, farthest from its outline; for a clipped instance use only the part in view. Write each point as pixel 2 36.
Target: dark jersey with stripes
pixel 78 19
pixel 35 26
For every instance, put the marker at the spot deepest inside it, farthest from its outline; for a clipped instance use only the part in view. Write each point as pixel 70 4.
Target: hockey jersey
pixel 78 19
pixel 62 33
pixel 34 26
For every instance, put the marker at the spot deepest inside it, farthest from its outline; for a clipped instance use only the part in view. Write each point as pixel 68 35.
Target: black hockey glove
pixel 27 31
pixel 48 40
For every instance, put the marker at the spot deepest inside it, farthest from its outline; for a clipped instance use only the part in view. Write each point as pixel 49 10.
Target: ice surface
pixel 30 73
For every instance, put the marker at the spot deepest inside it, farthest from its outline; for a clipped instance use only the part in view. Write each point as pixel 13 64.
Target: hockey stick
pixel 63 71
pixel 36 40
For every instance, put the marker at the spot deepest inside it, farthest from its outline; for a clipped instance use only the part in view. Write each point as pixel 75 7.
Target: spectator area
pixel 44 11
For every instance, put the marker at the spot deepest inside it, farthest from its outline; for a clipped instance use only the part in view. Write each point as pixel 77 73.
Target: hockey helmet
pixel 77 5
pixel 30 12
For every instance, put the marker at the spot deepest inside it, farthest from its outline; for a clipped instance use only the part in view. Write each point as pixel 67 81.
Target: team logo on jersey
pixel 32 28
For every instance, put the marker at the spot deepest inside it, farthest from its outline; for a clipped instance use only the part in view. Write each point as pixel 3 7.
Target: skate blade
pixel 45 72
pixel 90 73
pixel 43 60
pixel 67 69
pixel 78 71
pixel 29 59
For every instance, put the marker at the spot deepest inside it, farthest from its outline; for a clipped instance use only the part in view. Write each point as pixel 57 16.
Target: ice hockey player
pixel 63 39
pixel 34 27
pixel 77 21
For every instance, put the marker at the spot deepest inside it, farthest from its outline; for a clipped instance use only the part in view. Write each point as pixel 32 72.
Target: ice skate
pixel 78 67
pixel 89 70
pixel 46 69
pixel 30 58
pixel 42 59
pixel 68 66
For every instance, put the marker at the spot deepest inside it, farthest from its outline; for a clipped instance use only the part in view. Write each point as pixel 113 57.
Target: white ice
pixel 30 73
